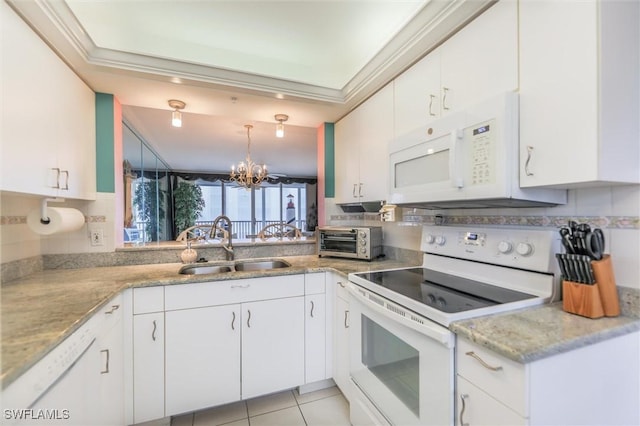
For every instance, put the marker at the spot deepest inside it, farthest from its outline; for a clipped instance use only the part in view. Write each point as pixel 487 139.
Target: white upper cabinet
pixel 579 91
pixel 48 119
pixel 362 148
pixel 479 61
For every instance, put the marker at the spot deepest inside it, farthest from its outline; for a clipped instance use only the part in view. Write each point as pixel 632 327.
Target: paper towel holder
pixel 44 217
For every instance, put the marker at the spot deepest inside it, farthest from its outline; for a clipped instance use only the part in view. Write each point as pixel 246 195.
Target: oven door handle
pixel 427 327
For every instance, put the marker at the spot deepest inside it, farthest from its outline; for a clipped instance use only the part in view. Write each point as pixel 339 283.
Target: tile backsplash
pixel 614 209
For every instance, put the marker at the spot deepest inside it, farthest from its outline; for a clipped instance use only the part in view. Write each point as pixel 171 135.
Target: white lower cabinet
pixel 272 346
pixel 202 357
pixel 315 338
pixel 592 385
pixel 341 335
pixel 148 367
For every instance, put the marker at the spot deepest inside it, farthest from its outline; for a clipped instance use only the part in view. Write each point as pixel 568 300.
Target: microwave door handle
pixel 455 172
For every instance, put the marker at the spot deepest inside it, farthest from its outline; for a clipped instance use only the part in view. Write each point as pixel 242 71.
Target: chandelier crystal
pixel 247 173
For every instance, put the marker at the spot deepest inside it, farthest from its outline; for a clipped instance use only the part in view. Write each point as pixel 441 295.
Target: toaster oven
pixel 350 242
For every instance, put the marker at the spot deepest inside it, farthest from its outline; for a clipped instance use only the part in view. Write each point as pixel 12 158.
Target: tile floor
pixel 325 407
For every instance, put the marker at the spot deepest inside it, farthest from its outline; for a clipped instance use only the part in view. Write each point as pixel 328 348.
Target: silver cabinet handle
pixel 341 284
pixel 57 177
pixel 444 98
pixel 106 366
pixel 233 321
pixel 249 319
pixel 360 190
pixel 241 286
pixel 354 190
pixel 463 399
pixel 113 308
pixel 431 98
pixel 346 319
pixel 66 179
pixel 312 306
pixel 482 362
pixel 526 164
pixel 153 333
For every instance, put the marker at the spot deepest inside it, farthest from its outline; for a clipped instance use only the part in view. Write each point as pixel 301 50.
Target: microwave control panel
pixel 481 140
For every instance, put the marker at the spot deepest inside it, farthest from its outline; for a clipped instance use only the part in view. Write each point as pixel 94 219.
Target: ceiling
pixel 241 62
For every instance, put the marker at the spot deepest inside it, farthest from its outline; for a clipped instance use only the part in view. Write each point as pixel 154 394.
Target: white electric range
pixel 402 353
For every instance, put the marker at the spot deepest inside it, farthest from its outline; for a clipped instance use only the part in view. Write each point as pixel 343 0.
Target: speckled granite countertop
pixel 40 310
pixel 531 334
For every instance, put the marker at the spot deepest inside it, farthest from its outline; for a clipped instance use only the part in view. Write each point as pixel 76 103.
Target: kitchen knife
pixel 590 275
pixel 573 275
pixel 561 265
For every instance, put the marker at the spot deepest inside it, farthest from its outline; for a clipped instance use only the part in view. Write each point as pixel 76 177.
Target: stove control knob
pixel 524 249
pixel 363 250
pixel 441 302
pixel 363 235
pixel 432 298
pixel 440 240
pixel 430 239
pixel 505 247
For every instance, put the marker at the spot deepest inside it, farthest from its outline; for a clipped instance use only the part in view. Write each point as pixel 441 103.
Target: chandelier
pixel 247 173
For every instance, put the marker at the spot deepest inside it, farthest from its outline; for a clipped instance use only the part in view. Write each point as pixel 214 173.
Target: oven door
pixel 401 364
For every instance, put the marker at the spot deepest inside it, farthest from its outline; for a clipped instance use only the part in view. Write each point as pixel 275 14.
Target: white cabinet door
pixel 579 93
pixel 376 135
pixel 481 60
pixel 362 148
pixel 417 95
pixel 475 407
pixel 110 373
pixel 148 367
pixel 41 129
pixel 341 345
pixel 272 346
pixel 315 337
pixel 347 160
pixel 202 358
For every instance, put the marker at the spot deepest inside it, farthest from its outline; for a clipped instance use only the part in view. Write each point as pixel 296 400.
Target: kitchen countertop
pixel 531 334
pixel 40 310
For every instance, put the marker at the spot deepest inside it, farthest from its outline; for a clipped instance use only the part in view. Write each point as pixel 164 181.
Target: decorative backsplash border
pixel 419 218
pixel 22 220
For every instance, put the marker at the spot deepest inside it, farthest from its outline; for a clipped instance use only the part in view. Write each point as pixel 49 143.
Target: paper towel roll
pixel 61 219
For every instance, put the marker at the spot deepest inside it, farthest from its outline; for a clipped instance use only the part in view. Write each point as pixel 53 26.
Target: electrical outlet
pixel 97 237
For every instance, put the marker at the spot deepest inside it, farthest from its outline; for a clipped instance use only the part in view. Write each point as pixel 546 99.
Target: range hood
pixel 478 204
pixel 364 207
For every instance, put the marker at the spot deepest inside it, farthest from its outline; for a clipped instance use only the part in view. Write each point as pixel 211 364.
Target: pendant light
pixel 280 118
pixel 176 115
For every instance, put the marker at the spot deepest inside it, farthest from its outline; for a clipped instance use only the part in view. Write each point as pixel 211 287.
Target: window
pixel 252 210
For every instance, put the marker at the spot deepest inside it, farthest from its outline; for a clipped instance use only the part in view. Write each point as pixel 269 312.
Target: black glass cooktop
pixel 447 293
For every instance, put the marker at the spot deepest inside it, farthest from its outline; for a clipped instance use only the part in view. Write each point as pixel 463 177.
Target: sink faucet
pixel 229 246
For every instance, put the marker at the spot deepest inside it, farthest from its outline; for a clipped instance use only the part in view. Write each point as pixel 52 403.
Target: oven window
pixel 393 362
pixel 341 243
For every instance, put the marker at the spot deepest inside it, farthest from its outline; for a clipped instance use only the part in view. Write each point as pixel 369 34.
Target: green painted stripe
pixel 105 167
pixel 329 161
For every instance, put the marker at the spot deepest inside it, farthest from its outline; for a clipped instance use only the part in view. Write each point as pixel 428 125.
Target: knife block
pixel 593 301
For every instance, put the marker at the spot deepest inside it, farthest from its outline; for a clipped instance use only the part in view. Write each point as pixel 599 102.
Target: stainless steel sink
pixel 204 269
pixel 261 265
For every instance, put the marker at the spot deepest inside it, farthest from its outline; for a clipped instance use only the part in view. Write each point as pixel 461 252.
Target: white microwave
pixel 467 159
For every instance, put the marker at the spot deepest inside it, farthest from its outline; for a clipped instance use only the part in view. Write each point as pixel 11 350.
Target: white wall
pixel 18 241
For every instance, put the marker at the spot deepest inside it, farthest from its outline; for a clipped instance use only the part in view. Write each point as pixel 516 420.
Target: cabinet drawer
pixel 475 407
pixel 148 299
pixel 232 291
pixel 314 283
pixel 501 378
